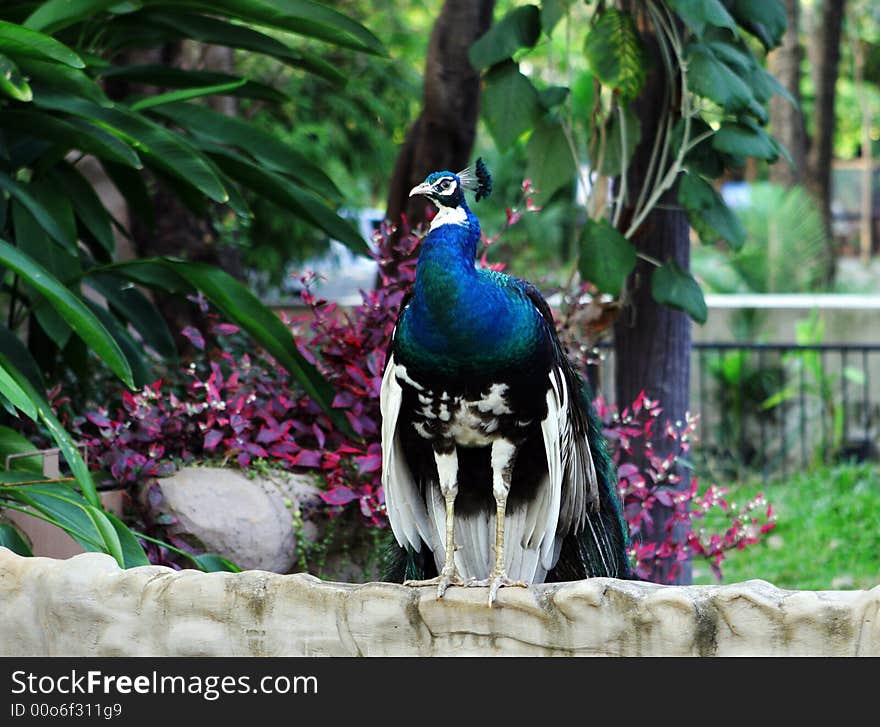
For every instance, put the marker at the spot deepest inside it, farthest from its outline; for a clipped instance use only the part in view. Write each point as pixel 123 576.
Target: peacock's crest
pixel 477 178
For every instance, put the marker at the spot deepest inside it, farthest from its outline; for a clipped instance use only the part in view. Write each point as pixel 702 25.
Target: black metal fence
pixel 774 408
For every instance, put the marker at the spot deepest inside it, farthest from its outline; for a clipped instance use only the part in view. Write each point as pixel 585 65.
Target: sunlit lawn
pixel 827 534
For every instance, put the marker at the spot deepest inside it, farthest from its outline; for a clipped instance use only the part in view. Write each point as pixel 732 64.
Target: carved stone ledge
pixel 88 606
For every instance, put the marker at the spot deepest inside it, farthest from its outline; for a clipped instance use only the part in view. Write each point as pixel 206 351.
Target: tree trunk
pixel 786 118
pixel 866 205
pixel 653 342
pixel 442 138
pixel 824 53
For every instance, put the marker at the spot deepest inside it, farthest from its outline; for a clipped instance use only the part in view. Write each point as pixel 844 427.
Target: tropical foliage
pixel 580 122
pixel 68 296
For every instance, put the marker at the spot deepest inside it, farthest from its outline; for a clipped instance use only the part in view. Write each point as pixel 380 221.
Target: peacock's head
pixel 446 189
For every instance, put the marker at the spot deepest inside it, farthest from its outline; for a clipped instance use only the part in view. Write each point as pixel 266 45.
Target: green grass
pixel 827 533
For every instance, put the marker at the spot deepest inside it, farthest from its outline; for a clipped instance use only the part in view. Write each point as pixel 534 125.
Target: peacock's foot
pixel 496 581
pixel 448 577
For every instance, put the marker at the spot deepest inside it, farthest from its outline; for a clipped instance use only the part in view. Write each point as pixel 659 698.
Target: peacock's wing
pixel 404 504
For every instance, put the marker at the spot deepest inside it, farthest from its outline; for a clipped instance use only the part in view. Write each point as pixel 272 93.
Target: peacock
pixel 494 466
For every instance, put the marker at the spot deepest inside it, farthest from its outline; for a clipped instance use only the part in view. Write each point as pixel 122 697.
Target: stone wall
pixel 87 606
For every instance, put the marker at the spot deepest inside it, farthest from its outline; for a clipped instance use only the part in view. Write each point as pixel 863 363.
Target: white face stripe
pixel 449 216
pixel 453 185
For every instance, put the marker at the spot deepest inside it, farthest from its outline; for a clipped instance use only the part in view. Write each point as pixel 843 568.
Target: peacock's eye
pixel 444 184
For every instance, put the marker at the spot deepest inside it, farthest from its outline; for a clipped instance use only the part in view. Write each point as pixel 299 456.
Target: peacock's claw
pixel 496 581
pixel 443 581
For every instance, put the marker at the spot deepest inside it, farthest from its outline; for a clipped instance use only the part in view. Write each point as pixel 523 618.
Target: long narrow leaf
pixel 64 78
pixel 12 442
pixel 109 536
pixel 155 144
pixel 298 16
pixel 62 438
pixel 12 83
pixel 76 134
pixel 215 31
pixel 53 15
pixel 136 308
pixel 132 551
pixel 71 308
pixel 87 204
pixel 43 216
pixel 286 194
pixel 12 391
pixel 268 150
pixel 186 94
pixel 11 538
pixel 16 40
pixel 62 506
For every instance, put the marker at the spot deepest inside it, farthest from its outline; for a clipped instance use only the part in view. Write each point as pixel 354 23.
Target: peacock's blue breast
pixel 473 327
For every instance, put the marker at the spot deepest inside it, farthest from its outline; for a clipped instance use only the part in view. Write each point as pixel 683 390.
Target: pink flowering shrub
pixel 642 490
pixel 234 406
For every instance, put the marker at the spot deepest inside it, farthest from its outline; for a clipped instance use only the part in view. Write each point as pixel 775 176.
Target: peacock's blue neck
pixel 461 319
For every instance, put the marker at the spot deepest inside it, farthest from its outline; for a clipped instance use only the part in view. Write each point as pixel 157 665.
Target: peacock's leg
pixel 447 470
pixel 503 453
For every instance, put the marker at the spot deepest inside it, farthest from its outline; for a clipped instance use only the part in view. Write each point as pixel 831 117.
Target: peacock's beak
pixel 423 188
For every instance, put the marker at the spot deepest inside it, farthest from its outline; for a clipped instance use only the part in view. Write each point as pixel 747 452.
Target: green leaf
pixel 583 95
pixel 298 16
pixel 186 94
pixel 553 96
pixel 132 552
pixel 128 302
pixel 61 437
pixel 606 256
pixel 181 78
pixel 156 145
pixel 765 19
pixel 88 206
pixel 11 538
pixel 711 78
pixel 745 139
pixel 265 148
pixel 17 353
pixel 71 134
pixel 212 563
pixel 59 505
pixel 64 78
pixel 708 214
pixel 615 53
pixel 108 533
pixel 11 81
pixel 16 40
pixel 62 506
pixel 220 32
pixel 552 11
pixel 550 163
pixel 286 194
pixel 53 15
pixel 12 391
pixel 11 442
pixel 520 28
pixel 510 104
pixel 697 14
pixel 71 308
pixel 675 287
pixel 134 352
pixel 44 217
